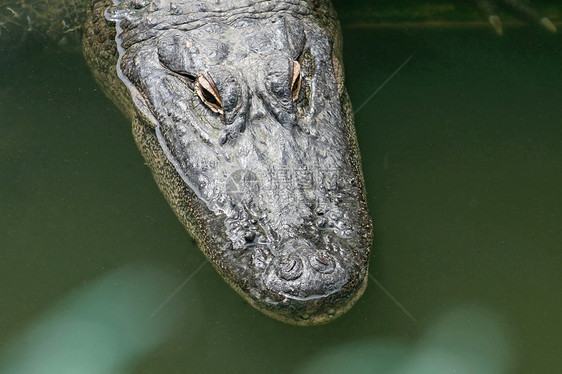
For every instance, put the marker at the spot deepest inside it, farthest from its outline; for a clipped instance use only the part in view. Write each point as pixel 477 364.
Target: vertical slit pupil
pixel 207 92
pixel 297 84
pixel 295 80
pixel 209 96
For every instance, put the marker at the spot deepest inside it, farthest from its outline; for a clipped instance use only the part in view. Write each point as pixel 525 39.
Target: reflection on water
pixel 99 329
pixel 464 341
pixel 462 154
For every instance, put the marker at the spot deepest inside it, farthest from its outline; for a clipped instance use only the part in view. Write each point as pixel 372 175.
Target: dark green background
pixel 462 155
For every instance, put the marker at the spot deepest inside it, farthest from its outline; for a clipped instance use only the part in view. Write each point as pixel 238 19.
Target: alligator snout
pixel 249 133
pixel 305 273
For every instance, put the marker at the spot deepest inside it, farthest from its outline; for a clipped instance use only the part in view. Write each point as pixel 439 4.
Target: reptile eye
pixel 208 93
pixel 295 79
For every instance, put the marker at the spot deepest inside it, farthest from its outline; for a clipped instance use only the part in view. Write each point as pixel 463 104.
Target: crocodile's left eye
pixel 295 79
pixel 208 93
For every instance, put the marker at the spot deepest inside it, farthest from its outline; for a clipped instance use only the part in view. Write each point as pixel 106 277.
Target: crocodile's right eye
pixel 208 93
pixel 295 79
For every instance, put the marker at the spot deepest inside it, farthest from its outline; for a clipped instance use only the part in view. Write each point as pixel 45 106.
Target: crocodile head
pixel 255 148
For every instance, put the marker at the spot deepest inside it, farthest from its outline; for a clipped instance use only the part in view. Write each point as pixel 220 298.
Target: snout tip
pixel 316 309
pixel 306 283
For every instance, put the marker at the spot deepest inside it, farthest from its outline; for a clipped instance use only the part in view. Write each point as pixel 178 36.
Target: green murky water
pixel 462 154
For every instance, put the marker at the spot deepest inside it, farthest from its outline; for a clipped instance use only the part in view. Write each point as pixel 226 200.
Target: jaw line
pixel 314 319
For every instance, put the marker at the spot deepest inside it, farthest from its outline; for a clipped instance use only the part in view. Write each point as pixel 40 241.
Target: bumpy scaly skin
pixel 272 188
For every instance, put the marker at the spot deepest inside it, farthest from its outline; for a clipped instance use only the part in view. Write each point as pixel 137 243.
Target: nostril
pixel 322 262
pixel 249 236
pixel 290 267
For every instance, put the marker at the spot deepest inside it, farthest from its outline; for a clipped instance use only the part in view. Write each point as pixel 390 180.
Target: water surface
pixel 462 155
